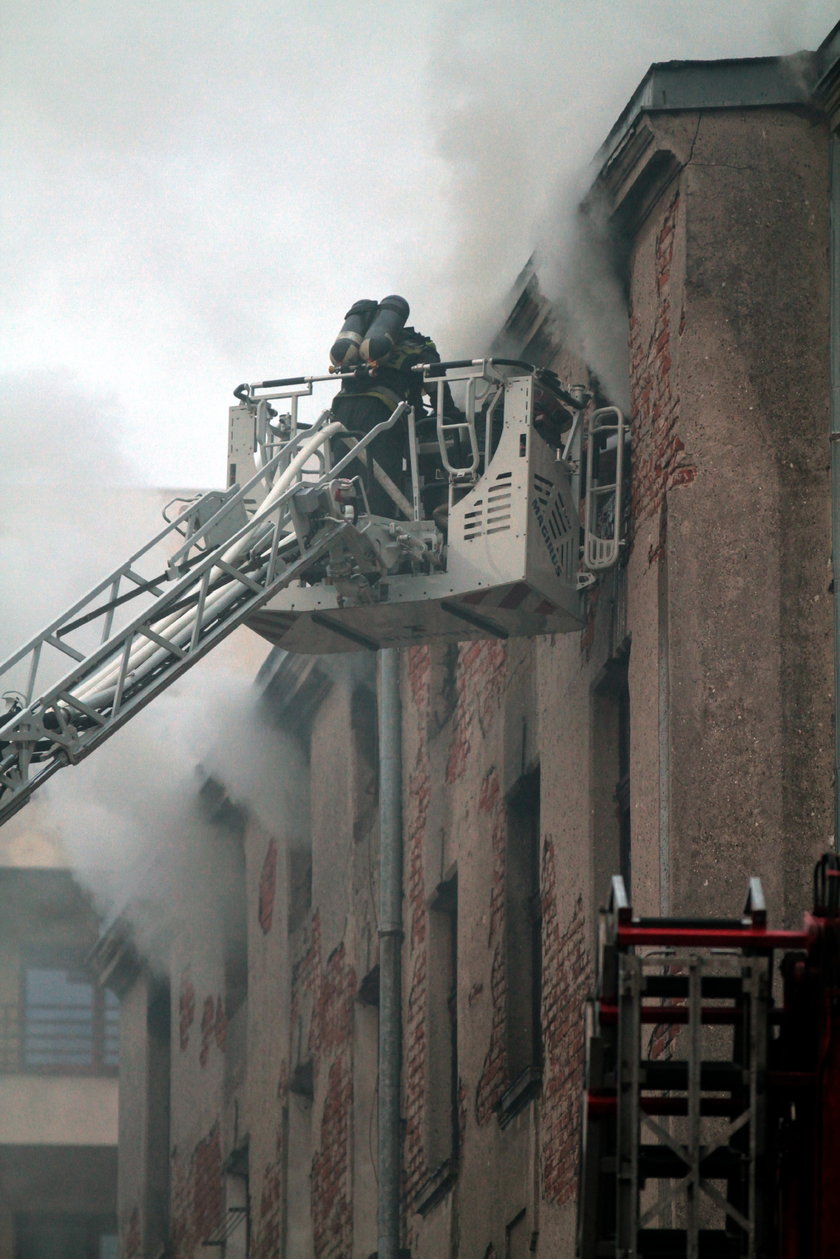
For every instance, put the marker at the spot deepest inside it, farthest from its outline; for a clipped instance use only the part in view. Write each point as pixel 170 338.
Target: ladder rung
pixel 672 1243
pixel 714 1076
pixel 658 1162
pixel 718 987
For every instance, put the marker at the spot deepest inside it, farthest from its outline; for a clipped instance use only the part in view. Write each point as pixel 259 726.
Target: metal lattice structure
pixel 675 1132
pixel 117 668
pixel 294 552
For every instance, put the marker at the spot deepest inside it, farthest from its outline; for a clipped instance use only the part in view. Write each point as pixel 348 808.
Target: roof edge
pixel 731 83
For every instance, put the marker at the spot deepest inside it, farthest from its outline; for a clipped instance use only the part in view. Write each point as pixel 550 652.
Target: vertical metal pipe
pixel 664 718
pixel 834 342
pixel 390 949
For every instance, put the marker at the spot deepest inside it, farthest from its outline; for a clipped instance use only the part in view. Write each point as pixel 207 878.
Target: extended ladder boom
pixel 227 567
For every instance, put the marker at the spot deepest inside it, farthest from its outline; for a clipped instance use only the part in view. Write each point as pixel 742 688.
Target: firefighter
pixel 384 378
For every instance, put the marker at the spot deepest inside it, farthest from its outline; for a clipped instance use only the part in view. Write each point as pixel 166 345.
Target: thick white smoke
pixel 127 818
pixel 133 824
pixel 194 196
pixel 521 98
pixel 66 518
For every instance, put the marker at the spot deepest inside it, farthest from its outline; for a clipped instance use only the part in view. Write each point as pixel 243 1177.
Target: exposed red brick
pixel 208 1195
pixel 213 1027
pixel 186 1011
pixel 480 679
pixel 267 1216
pixel 265 1241
pixel 268 888
pixel 660 462
pixel 566 979
pixel 494 1073
pixel 306 968
pixel 332 1015
pixel 664 1035
pixel 221 1025
pixel 197 1195
pixel 420 674
pixel 415 1049
pixel 332 988
pixel 419 799
pixel 332 1218
pixel 416 824
pixel 208 1027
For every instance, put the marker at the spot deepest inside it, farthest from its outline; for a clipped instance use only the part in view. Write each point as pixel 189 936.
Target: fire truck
pixel 711 1112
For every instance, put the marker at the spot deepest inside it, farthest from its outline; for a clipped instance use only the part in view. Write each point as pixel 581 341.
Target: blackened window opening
pixel 158 1115
pixel 236 929
pixel 442 1133
pixel 523 939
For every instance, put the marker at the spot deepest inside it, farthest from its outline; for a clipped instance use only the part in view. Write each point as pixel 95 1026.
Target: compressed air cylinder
pixel 345 350
pixel 384 329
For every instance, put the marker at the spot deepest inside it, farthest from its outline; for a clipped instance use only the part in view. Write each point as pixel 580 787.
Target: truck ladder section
pixel 702 1129
pixel 226 566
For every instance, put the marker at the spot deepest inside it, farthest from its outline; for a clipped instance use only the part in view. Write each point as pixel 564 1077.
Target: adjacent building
pixel 59 1057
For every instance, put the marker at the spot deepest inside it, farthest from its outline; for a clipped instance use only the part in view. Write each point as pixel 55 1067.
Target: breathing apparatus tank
pixel 345 350
pixel 384 329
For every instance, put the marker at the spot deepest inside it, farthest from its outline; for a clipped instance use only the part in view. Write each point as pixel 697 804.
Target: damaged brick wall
pixel 268 888
pixel 267 1214
pixel 494 1075
pixel 197 1194
pixel 332 1216
pixel 567 975
pixel 331 987
pixel 660 460
pixel 416 818
pixel 479 682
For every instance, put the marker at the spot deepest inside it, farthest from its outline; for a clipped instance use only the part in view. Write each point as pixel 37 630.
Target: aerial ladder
pixel 487 539
pixel 711 1112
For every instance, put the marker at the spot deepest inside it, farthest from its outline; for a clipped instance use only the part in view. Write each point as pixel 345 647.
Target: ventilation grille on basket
pixel 555 526
pixel 491 513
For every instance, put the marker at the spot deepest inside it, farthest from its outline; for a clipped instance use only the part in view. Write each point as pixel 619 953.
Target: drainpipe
pixel 390 947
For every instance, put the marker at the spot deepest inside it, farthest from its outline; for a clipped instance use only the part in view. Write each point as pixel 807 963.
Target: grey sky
pixel 193 193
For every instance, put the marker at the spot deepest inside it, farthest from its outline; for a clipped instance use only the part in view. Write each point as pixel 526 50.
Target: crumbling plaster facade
pixel 730 520
pixel 705 663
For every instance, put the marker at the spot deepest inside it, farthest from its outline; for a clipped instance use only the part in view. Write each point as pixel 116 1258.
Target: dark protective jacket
pixel 394 381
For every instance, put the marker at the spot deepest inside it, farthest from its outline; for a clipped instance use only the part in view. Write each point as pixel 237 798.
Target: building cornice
pixel 741 83
pixel 827 89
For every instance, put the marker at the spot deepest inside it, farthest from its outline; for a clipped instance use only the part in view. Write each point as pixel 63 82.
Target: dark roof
pixel 736 83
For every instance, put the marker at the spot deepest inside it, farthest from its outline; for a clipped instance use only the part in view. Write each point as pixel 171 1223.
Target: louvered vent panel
pixel 492 512
pixel 555 525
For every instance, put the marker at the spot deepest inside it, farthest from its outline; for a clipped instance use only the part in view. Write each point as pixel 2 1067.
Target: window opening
pixel 523 942
pixel 68 1023
pixel 63 1236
